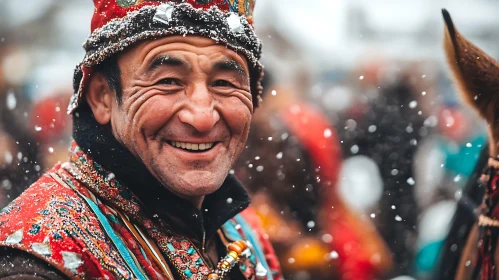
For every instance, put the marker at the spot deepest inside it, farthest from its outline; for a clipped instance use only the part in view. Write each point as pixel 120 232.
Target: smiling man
pixel 162 107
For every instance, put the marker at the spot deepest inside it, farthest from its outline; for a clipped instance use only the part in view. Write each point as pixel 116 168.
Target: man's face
pixel 185 111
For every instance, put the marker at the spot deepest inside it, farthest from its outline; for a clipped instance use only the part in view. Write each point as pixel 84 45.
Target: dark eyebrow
pixel 165 60
pixel 231 65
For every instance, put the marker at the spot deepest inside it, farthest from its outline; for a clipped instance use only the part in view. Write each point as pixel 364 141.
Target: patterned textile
pixel 85 223
pixel 488 223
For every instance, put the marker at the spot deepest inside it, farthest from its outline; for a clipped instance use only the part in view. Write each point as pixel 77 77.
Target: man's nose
pixel 200 112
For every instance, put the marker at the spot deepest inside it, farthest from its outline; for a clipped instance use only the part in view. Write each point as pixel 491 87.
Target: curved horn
pixel 475 73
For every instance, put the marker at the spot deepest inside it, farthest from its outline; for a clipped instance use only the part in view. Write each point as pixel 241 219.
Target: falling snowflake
pixel 311 224
pixel 333 255
pixel 431 121
pixel 11 100
pixel 6 184
pixel 411 181
pixel 327 238
pixel 8 157
pixel 327 133
pixel 354 149
pixel 350 125
pixel 110 176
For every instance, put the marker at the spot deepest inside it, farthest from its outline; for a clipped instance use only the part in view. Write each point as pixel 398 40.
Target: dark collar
pixel 99 143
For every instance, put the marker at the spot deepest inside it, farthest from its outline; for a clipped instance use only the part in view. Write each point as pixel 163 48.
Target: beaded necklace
pixel 235 250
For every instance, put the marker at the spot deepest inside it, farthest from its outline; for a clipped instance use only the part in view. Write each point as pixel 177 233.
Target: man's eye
pixel 169 81
pixel 223 83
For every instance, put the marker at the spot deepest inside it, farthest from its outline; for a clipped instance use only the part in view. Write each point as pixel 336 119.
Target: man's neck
pixel 197 201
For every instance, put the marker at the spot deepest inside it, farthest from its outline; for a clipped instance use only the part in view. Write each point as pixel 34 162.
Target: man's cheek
pixel 154 116
pixel 238 117
pixel 239 126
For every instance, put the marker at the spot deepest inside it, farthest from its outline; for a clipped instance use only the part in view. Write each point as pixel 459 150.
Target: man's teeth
pixel 192 146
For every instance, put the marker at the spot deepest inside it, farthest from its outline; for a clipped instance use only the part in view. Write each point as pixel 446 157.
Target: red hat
pixel 118 24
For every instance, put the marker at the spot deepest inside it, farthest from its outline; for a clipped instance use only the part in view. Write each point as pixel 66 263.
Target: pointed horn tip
pixel 448 22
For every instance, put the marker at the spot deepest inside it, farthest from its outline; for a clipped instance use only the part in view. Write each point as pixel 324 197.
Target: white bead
pixel 235 23
pixel 260 270
pixel 15 238
pixel 164 13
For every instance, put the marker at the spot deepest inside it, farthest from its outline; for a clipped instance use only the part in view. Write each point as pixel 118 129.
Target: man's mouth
pixel 193 147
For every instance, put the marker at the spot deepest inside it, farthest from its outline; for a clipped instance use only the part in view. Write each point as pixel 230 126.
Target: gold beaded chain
pixel 234 251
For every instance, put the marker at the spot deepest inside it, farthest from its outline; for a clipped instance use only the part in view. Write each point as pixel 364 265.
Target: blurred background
pixel 358 154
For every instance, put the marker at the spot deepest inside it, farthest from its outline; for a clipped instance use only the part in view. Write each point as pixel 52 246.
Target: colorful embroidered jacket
pixel 81 220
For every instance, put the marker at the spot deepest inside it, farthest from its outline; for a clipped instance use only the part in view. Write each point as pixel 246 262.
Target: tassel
pixel 488 235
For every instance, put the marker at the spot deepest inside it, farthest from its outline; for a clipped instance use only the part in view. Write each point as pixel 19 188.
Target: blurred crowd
pixel 354 169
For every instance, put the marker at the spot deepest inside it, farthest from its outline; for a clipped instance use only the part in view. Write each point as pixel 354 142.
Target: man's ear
pixel 100 96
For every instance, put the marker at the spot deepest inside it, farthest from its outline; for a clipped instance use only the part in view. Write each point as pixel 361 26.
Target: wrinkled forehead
pixel 188 48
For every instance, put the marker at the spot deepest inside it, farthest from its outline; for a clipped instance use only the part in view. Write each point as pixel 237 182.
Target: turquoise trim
pixel 191 251
pixel 231 232
pixel 117 241
pixel 188 273
pixel 256 244
pixel 170 247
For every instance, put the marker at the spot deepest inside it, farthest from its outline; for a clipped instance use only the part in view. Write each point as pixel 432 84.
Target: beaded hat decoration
pixel 118 24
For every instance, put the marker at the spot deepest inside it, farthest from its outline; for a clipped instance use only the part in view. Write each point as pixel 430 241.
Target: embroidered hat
pixel 118 24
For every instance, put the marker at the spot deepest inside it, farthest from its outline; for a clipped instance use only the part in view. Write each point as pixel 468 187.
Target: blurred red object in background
pixel 49 119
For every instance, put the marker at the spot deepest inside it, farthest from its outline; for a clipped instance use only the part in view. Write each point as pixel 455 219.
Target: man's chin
pixel 196 183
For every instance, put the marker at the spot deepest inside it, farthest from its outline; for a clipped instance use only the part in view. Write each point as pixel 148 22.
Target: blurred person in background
pixel 445 163
pixel 8 172
pixel 21 164
pixel 387 130
pixel 159 118
pixel 291 166
pixel 52 125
